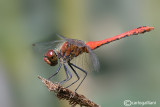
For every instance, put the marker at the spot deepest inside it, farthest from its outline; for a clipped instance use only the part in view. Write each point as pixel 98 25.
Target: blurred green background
pixel 129 68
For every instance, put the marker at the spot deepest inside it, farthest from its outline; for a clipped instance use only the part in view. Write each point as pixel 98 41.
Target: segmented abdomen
pixel 95 44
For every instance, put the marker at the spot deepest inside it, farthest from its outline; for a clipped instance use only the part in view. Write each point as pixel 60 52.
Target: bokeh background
pixel 129 68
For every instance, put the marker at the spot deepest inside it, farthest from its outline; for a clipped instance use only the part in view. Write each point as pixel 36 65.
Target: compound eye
pixel 51 58
pixel 50 54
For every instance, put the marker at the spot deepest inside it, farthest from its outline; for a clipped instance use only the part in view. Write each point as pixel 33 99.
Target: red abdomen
pixel 95 44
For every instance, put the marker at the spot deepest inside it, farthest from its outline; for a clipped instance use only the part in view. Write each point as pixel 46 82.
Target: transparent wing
pixel 87 62
pixel 43 47
pixel 76 42
pixel 94 59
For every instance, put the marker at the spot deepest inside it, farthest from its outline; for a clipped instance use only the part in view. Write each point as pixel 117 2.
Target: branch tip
pixel 66 94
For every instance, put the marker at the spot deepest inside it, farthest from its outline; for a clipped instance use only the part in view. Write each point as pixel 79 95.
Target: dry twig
pixel 66 94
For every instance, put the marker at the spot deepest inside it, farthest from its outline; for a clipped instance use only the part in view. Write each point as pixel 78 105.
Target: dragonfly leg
pixel 56 72
pixel 82 71
pixel 75 73
pixel 67 72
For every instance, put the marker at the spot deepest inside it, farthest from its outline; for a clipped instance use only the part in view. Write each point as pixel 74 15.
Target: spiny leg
pixel 75 73
pixel 63 81
pixel 56 72
pixel 67 72
pixel 82 71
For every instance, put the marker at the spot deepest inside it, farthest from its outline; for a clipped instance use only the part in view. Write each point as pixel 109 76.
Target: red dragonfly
pixel 71 48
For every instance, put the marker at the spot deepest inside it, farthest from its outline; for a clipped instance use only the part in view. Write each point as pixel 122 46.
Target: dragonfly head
pixel 51 58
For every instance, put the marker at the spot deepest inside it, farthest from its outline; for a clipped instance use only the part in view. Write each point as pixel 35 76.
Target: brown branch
pixel 66 94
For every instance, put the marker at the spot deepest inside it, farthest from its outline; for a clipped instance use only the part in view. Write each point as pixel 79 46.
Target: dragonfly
pixel 71 48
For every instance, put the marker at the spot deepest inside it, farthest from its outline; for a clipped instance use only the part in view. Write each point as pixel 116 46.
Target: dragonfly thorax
pixel 51 57
pixel 70 50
